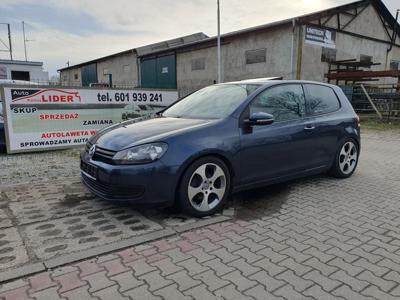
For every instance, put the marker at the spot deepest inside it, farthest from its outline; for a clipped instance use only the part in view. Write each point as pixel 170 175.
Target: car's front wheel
pixel 346 159
pixel 205 187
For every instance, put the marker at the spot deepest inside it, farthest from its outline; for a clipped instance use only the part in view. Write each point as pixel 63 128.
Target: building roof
pixel 148 49
pixel 378 4
pixel 201 38
pixel 166 45
pixel 21 62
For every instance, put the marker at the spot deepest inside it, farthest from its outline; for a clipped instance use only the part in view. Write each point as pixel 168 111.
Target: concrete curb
pixel 201 223
pixel 73 257
pixel 21 272
pixel 51 263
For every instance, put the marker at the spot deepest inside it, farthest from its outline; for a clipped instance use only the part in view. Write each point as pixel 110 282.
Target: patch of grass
pixel 375 124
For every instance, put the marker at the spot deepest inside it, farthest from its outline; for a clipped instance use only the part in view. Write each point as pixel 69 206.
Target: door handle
pixel 309 127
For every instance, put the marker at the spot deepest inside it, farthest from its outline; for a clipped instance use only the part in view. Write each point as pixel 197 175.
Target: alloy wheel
pixel 348 157
pixel 207 187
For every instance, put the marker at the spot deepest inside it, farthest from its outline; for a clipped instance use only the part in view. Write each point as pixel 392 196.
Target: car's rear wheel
pixel 205 187
pixel 346 160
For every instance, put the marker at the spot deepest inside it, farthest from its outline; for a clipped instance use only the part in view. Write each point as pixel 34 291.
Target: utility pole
pixel 23 32
pixel 9 40
pixel 219 44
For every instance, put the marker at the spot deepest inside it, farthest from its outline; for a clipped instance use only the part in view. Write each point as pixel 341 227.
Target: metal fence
pixel 380 101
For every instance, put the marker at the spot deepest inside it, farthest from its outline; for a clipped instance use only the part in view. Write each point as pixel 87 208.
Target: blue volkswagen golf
pixel 223 139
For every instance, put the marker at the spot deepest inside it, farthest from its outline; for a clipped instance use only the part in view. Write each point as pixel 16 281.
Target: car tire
pixel 346 159
pixel 205 187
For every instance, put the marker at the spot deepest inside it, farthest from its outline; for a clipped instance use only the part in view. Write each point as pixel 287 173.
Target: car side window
pixel 284 102
pixel 321 99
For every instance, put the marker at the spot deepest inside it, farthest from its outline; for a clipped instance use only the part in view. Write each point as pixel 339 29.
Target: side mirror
pixel 260 118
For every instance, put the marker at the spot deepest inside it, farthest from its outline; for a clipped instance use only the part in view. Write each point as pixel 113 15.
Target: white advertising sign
pixel 39 118
pixel 320 37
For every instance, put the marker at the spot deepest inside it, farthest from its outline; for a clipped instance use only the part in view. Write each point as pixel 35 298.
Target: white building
pixel 23 70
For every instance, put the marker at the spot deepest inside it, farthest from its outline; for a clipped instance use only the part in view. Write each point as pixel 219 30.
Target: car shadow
pixel 260 202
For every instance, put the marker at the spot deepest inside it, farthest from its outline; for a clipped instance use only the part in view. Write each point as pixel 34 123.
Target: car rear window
pixel 321 99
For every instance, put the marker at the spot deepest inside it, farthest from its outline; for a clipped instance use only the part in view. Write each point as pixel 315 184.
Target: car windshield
pixel 213 102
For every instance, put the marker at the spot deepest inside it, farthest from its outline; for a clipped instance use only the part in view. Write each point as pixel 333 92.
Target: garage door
pixel 158 72
pixel 89 74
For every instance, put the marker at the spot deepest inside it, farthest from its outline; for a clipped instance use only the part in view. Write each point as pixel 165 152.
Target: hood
pixel 127 134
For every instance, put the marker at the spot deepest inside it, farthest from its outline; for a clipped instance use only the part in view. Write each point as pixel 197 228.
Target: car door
pixel 282 148
pixel 323 105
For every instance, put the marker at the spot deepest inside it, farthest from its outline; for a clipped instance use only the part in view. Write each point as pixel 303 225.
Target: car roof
pixel 274 81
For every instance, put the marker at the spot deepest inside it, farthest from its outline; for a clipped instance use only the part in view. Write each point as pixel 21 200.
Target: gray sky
pixel 80 30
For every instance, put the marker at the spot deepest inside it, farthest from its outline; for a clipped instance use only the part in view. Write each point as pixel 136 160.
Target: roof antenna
pixel 9 47
pixel 25 40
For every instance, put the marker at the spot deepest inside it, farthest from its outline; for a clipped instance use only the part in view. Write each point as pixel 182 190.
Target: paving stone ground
pixel 315 238
pixel 46 212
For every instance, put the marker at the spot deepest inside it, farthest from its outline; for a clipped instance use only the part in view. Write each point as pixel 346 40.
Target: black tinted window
pixel 321 99
pixel 284 102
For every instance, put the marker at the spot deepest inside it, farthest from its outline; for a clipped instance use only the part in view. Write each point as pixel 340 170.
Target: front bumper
pixel 152 183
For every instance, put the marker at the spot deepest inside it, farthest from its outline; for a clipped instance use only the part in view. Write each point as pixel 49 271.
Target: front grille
pixel 104 155
pixel 114 191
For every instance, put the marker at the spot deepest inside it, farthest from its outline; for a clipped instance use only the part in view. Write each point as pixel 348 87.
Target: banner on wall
pixel 42 118
pixel 320 37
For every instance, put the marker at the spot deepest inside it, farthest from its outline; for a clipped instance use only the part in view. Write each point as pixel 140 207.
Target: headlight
pixel 141 154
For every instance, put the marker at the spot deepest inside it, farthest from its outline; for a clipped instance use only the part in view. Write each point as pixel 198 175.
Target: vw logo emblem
pixel 92 150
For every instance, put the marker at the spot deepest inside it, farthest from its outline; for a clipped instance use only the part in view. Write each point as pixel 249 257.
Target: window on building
pixel 284 102
pixel 3 73
pixel 328 55
pixel 321 99
pixel 20 75
pixel 199 64
pixel 394 64
pixel 365 58
pixel 256 56
pixel 127 68
pixel 76 76
pixel 106 72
